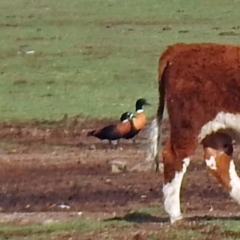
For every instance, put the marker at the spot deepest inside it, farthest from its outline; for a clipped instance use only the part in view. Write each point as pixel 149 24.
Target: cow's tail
pixel 154 138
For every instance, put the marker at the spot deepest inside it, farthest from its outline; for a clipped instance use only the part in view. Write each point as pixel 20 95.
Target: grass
pixel 76 229
pixel 95 58
pixel 200 230
pixel 34 231
pixel 150 210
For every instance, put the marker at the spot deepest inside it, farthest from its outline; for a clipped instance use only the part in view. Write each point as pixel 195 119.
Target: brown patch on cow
pixel 194 82
pixel 218 142
pixel 172 163
pixel 219 146
pixel 222 172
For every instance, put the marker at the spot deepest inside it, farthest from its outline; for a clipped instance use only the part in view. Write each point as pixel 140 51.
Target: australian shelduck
pixel 114 131
pixel 139 120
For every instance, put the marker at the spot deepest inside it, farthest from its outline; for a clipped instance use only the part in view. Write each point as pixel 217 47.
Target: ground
pixel 96 58
pixel 51 171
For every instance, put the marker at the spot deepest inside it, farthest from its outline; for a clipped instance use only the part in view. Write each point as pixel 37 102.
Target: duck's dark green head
pixel 126 116
pixel 140 103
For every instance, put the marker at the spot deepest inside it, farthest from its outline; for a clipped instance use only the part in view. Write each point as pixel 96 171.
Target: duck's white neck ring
pixel 139 110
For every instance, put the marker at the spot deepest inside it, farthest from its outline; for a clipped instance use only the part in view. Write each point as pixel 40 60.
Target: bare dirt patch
pixel 49 170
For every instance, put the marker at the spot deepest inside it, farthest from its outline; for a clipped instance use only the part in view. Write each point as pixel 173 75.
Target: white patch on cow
pixel 234 182
pixel 171 193
pixel 222 121
pixel 139 110
pixel 211 163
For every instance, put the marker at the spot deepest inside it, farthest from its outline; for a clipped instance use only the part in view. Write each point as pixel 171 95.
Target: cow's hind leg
pixel 218 151
pixel 174 170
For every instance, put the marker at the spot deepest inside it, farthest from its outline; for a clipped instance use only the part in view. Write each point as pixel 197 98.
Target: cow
pixel 200 84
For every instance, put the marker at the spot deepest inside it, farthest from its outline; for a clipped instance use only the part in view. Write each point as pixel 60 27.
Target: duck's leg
pixel 117 143
pixel 114 145
pixel 134 141
pixel 110 143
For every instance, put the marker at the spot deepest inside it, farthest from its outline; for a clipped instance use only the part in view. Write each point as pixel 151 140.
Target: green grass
pixel 230 228
pixel 32 231
pixel 179 234
pixel 199 230
pixel 150 210
pixel 95 58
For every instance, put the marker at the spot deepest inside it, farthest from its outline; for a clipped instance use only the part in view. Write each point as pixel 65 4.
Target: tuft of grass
pixel 229 33
pixel 179 235
pixel 150 210
pixel 229 228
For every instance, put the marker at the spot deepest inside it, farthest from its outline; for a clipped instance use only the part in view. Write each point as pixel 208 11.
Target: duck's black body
pixel 114 131
pixel 133 132
pixel 111 132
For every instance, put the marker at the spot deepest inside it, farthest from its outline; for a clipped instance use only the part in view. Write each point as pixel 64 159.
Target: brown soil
pixel 46 164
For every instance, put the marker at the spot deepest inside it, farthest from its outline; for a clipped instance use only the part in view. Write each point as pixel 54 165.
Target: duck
pixel 114 132
pixel 138 121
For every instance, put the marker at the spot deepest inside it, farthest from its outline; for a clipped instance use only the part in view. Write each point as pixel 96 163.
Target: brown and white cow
pixel 201 86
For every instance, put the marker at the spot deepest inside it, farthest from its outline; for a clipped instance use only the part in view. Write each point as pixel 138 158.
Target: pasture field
pixel 70 66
